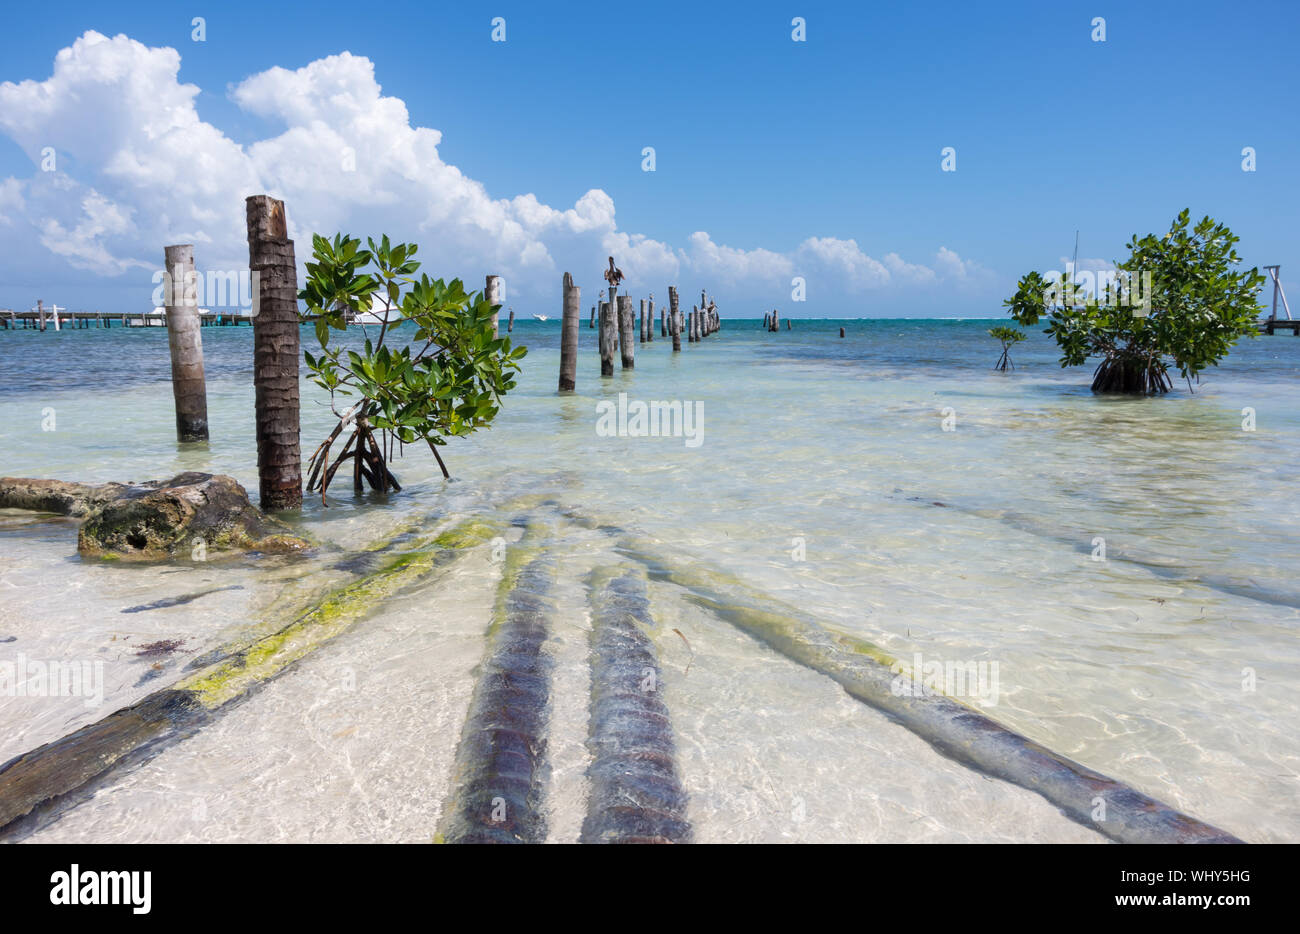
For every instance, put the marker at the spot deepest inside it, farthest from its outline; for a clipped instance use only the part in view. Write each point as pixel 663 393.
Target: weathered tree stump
pixel 185 341
pixel 275 354
pixel 572 306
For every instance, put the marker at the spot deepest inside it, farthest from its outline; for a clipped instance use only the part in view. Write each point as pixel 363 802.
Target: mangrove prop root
pixel 368 461
pixel 37 787
pixel 501 765
pixel 961 733
pixel 636 792
pixel 1132 376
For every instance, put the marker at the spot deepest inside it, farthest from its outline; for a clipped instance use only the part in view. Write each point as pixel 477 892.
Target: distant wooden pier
pixel 46 319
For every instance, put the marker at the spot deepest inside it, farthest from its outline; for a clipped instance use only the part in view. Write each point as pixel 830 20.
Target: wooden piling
pixel 643 320
pixel 627 344
pixel 276 354
pixel 591 324
pixel 841 330
pixel 572 307
pixel 787 325
pixel 663 322
pixel 185 340
pixel 606 339
pixel 492 292
pixel 673 324
pixel 650 320
pixel 510 325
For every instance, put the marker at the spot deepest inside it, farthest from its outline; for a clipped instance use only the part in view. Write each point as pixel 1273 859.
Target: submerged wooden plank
pixel 636 792
pixel 501 765
pixel 37 786
pixel 869 674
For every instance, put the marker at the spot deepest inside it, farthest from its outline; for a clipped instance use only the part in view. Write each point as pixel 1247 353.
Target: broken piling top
pixel 266 218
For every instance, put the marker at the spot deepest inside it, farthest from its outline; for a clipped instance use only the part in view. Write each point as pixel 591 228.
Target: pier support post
pixel 650 320
pixel 572 306
pixel 605 339
pixel 275 354
pixel 492 292
pixel 627 343
pixel 510 325
pixel 674 324
pixel 643 320
pixel 185 340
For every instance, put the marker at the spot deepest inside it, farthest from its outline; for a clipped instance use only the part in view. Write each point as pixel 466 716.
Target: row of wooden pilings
pixel 618 327
pixel 772 321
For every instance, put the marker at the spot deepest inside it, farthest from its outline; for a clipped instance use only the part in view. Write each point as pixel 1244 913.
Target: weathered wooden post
pixel 642 320
pixel 510 325
pixel 663 322
pixel 492 292
pixel 672 318
pixel 627 343
pixel 787 324
pixel 650 320
pixel 767 321
pixel 592 323
pixel 275 353
pixel 776 320
pixel 605 340
pixel 841 330
pixel 572 305
pixel 185 340
pixel 40 310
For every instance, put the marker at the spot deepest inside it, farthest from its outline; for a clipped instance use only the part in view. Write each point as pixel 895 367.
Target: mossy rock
pixel 165 519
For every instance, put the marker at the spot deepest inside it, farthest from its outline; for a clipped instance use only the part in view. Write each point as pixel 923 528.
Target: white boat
pixel 542 317
pixel 378 304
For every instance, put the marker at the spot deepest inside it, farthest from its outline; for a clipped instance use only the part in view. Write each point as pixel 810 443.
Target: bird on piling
pixel 613 275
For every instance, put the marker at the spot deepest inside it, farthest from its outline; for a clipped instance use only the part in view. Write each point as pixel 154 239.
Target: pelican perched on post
pixel 613 275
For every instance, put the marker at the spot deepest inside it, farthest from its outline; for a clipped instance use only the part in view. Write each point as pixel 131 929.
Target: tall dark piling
pixel 572 308
pixel 674 323
pixel 605 339
pixel 275 354
pixel 185 341
pixel 626 342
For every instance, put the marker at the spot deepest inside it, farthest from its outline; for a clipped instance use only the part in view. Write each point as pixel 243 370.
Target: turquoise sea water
pixel 1128 564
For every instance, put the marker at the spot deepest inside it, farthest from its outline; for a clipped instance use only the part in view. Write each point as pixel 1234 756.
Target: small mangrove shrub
pixel 443 377
pixel 1198 304
pixel 1008 337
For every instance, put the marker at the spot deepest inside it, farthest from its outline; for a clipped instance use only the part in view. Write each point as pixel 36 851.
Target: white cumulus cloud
pixel 135 168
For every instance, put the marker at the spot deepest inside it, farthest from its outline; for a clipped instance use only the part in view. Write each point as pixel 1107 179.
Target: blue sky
pixel 762 142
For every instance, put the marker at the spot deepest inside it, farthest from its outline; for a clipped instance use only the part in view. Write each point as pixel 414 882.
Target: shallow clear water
pixel 824 479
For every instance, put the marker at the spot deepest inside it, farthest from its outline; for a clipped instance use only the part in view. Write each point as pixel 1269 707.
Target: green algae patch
pixel 234 674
